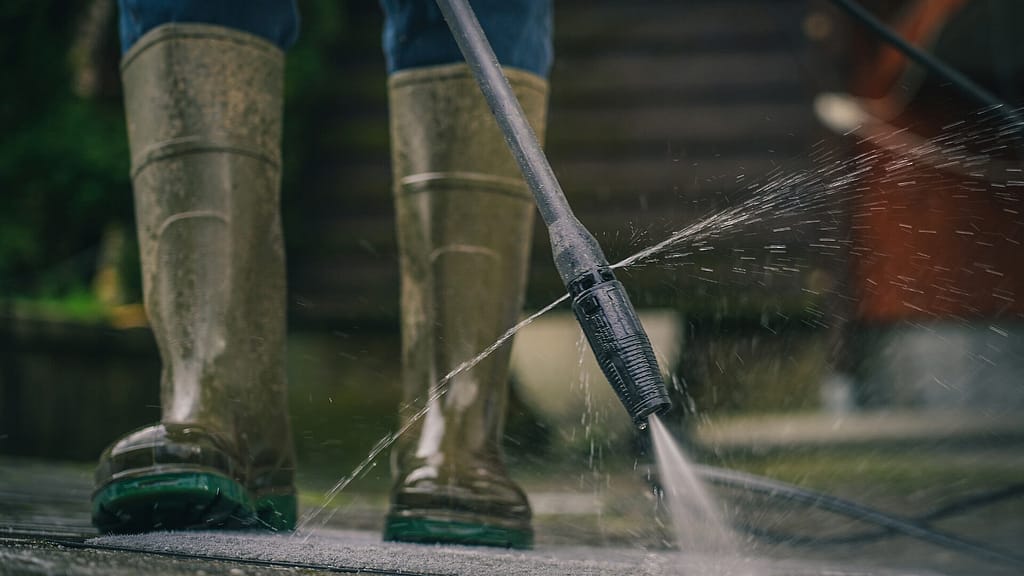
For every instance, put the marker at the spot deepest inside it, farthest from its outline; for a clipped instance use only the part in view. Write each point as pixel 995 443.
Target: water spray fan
pixel 599 301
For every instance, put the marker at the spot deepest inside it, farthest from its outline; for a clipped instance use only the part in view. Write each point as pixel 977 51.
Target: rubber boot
pixel 465 220
pixel 204 107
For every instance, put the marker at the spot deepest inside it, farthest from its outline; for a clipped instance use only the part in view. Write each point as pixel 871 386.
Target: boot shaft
pixel 204 107
pixel 465 220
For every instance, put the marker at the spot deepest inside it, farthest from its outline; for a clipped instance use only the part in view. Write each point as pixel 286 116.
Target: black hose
pixel 967 86
pixel 953 509
pixel 914 529
pixel 972 502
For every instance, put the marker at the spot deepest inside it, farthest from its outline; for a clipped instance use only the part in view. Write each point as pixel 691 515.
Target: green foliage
pixel 308 94
pixel 63 158
pixel 78 306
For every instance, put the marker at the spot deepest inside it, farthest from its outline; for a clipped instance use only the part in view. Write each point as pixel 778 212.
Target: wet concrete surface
pixel 340 552
pixel 34 556
pixel 44 529
pixel 595 519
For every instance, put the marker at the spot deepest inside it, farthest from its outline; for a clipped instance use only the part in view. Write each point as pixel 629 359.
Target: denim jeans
pixel 415 34
pixel 274 20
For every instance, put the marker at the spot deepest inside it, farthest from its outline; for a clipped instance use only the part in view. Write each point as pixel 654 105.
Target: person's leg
pixel 276 21
pixel 203 102
pixel 464 219
pixel 416 35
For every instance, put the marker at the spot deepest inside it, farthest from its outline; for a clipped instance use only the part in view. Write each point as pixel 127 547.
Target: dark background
pixel 661 113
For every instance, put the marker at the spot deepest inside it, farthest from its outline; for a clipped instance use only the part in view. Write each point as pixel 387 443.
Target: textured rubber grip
pixel 620 344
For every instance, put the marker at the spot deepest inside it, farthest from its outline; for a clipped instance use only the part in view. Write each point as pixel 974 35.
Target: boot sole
pixel 277 512
pixel 432 531
pixel 186 501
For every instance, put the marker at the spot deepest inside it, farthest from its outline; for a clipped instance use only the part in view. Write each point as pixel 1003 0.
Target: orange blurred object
pixel 933 245
pixel 930 242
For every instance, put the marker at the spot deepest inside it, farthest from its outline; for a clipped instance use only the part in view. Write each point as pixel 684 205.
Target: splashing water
pixel 699 526
pixel 436 393
pixel 812 207
pixel 779 196
pixel 805 203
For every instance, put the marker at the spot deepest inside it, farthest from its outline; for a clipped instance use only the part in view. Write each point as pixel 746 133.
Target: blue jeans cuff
pixel 416 35
pixel 275 20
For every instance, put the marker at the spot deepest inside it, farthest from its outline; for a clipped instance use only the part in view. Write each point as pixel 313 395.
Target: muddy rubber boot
pixel 464 219
pixel 204 107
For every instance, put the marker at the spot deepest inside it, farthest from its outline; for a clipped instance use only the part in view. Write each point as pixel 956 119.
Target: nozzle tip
pixel 620 344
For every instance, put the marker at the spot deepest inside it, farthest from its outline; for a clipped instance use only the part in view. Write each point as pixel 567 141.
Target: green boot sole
pixel 183 501
pixel 430 531
pixel 187 500
pixel 277 512
pixel 174 501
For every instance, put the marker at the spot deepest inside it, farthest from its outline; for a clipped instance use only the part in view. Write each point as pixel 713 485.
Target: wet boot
pixel 204 107
pixel 464 219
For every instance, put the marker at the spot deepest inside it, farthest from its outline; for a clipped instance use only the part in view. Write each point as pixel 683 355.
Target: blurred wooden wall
pixel 661 111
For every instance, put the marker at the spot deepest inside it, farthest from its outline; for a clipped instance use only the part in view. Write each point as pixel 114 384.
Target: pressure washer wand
pixel 599 300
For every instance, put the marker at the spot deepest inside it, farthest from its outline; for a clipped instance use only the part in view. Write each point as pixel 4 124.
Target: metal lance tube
pixel 599 301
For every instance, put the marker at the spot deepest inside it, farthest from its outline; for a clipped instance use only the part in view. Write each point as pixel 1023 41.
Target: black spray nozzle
pixel 619 343
pixel 599 300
